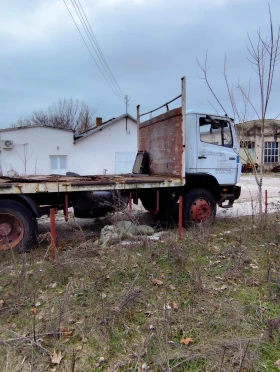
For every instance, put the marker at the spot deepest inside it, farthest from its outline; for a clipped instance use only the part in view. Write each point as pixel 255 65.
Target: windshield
pixel 215 131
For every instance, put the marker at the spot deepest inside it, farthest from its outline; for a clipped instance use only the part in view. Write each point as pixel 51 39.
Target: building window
pixel 58 164
pixel 247 144
pixel 271 152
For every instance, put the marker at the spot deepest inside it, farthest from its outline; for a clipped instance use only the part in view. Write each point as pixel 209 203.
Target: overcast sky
pixel 148 44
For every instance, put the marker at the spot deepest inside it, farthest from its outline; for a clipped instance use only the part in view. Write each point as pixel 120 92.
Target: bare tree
pixel 39 118
pixel 24 157
pixel 64 114
pixel 263 57
pixel 86 120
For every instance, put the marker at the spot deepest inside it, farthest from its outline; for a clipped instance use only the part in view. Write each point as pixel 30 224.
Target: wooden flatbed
pixel 56 183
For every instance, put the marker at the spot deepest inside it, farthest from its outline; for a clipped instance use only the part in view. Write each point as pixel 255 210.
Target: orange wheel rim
pixel 11 231
pixel 200 210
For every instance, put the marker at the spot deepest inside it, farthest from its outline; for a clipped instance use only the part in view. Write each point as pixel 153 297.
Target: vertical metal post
pixel 265 194
pixel 180 222
pixel 157 210
pixel 184 108
pixel 53 233
pixel 157 203
pixel 184 103
pixel 130 202
pixel 138 127
pixel 66 207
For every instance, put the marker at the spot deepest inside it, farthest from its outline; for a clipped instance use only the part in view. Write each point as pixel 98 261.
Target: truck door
pixel 217 152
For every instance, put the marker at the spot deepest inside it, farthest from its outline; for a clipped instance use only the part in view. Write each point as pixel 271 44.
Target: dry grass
pixel 102 310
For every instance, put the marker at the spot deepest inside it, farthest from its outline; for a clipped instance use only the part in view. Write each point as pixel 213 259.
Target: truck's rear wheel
pixel 18 228
pixel 199 208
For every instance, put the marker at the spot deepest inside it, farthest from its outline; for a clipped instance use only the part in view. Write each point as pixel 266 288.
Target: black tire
pixel 18 227
pixel 148 200
pixel 199 208
pixel 167 212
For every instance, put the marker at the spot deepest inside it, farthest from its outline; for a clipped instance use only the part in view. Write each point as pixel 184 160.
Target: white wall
pixel 98 151
pixel 90 155
pixel 33 146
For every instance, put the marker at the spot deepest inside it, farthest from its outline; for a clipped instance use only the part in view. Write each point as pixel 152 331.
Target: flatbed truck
pixel 189 154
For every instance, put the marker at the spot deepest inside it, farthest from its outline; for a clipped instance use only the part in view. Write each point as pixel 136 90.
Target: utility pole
pixel 126 107
pixel 126 103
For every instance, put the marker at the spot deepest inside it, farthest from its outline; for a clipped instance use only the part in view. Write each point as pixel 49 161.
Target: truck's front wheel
pixel 199 208
pixel 18 228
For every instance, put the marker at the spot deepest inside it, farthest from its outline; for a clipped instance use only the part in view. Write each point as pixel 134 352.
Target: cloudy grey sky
pixel 148 44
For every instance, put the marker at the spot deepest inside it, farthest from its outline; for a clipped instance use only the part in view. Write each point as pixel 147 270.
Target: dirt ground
pixel 209 302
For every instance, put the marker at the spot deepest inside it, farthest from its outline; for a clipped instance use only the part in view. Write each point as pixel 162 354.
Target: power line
pixel 87 31
pixel 105 77
pixel 93 37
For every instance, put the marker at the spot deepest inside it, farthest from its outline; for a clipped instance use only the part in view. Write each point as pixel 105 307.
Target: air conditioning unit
pixel 7 144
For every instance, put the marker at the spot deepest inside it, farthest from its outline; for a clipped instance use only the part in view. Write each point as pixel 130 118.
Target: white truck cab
pixel 212 147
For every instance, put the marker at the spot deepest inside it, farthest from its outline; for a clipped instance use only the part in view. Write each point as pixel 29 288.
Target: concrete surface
pixel 247 204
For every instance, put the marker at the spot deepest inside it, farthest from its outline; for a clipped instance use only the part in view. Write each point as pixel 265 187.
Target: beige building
pixel 249 134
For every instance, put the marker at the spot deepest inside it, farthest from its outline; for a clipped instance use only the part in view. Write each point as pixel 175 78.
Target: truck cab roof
pixel 204 112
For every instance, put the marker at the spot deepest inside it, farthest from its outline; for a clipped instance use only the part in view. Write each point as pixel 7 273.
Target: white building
pixel 35 150
pixel 109 148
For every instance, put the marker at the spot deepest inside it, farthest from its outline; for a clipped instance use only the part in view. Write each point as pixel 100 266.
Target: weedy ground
pixel 210 302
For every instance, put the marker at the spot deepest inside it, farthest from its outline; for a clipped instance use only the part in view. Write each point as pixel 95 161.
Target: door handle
pixel 202 157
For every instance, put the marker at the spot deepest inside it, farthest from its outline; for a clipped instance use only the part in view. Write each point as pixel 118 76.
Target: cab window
pixel 215 131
